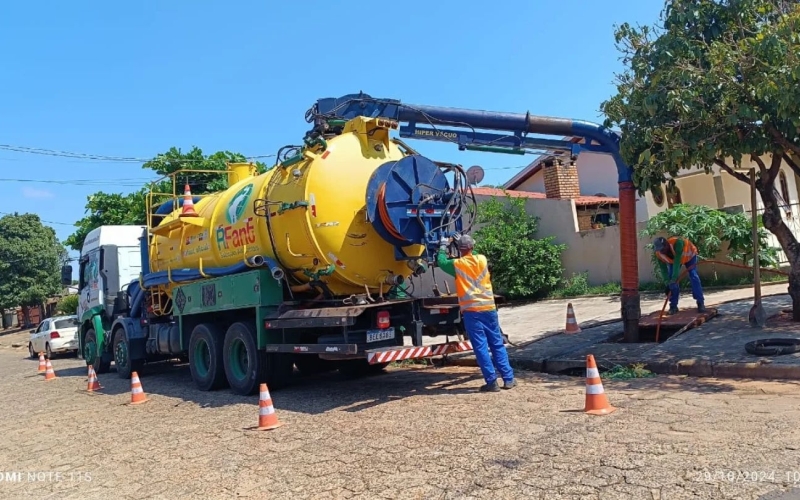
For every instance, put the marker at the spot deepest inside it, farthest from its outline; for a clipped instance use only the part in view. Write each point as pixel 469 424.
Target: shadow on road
pixel 307 394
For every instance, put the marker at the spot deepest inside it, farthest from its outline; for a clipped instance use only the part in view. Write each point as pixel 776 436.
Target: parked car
pixel 54 335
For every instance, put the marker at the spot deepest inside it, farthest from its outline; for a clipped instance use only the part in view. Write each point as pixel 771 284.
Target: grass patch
pixel 578 285
pixel 636 370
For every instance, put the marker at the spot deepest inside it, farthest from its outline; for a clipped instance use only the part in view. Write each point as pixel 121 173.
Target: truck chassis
pixel 238 331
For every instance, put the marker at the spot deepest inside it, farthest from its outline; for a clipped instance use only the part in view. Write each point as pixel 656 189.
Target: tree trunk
pixel 773 221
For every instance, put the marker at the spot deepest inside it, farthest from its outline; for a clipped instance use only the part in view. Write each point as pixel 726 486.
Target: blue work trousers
pixel 483 329
pixel 694 279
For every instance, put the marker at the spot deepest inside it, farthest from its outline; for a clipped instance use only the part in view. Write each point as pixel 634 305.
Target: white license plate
pixel 379 335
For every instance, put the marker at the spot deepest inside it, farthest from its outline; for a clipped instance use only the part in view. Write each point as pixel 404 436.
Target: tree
pixel 716 84
pixel 68 304
pixel 108 209
pixel 123 209
pixel 30 261
pixel 521 265
pixel 709 229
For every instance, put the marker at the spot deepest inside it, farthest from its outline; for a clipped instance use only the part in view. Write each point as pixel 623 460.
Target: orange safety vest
pixel 689 251
pixel 473 284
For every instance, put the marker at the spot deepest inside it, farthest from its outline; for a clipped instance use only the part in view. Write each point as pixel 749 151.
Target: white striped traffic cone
pixel 572 323
pixel 596 400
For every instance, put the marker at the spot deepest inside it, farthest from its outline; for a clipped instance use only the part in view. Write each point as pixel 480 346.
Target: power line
pixel 45 221
pixel 84 182
pixel 98 157
pixel 124 159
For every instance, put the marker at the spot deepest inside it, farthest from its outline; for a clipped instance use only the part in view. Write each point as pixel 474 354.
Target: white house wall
pixel 597 173
pixel 594 252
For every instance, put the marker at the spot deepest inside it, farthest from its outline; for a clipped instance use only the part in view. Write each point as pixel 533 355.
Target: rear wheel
pixel 243 368
pixel 205 357
pixel 90 353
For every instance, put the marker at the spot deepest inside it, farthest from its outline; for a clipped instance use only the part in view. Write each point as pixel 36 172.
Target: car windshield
pixel 66 323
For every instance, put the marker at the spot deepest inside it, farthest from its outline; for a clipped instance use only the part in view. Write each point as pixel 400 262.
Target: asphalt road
pixel 414 432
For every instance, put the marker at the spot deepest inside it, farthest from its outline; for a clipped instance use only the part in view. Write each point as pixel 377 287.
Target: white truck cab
pixel 110 259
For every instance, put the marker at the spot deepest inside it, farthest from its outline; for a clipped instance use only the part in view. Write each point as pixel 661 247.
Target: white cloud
pixel 36 193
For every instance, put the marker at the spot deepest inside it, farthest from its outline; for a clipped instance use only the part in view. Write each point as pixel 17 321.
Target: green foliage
pixel 636 370
pixel 106 209
pixel 124 209
pixel 716 85
pixel 30 261
pixel 578 286
pixel 201 183
pixel 521 265
pixel 718 80
pixel 709 229
pixel 68 304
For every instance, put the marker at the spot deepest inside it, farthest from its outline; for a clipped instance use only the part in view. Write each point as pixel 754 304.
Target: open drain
pixel 647 335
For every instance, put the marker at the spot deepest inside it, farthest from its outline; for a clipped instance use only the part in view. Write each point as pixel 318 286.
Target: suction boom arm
pixel 463 125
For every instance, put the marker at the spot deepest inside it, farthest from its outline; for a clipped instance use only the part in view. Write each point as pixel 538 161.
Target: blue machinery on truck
pixel 426 122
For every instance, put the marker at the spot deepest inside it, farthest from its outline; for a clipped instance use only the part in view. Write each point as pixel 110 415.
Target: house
pixel 580 211
pixel 590 182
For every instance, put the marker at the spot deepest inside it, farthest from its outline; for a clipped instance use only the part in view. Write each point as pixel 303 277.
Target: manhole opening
pixel 647 335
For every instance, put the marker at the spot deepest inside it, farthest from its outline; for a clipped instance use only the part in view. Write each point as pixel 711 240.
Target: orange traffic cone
pixel 572 323
pixel 137 393
pixel 267 418
pixel 596 400
pixel 42 364
pixel 188 204
pixel 49 374
pixel 94 384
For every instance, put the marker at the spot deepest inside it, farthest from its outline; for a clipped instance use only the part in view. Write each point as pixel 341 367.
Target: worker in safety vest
pixel 684 252
pixel 478 311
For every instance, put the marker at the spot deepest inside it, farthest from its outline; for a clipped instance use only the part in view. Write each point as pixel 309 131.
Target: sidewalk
pixel 713 349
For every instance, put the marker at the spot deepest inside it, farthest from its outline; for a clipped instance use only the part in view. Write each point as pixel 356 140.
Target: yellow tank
pixel 315 209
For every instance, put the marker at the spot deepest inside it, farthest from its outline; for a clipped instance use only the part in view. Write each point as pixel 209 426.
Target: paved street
pixel 411 433
pixel 551 315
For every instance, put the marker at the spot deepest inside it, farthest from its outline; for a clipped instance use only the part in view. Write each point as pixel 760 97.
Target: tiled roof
pixel 484 191
pixel 581 201
pixel 596 200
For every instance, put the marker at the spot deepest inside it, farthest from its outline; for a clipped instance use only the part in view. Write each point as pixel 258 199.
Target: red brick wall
pixel 561 181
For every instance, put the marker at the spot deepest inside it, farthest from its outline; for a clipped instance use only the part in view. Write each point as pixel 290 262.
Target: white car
pixel 54 335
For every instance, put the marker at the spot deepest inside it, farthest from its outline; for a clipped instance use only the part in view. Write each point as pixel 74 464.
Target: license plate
pixel 379 335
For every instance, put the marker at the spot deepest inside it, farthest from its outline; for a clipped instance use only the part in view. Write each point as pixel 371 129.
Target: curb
pixel 692 367
pixel 641 292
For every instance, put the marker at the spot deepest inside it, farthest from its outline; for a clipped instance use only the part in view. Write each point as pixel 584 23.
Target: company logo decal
pixel 238 204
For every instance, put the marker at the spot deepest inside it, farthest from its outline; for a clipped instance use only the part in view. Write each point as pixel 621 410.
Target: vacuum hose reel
pixel 411 202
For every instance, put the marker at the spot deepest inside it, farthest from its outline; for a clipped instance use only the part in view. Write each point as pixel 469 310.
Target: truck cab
pixel 110 259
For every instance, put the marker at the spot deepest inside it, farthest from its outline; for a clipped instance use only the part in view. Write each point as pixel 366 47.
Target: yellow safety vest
pixel 473 284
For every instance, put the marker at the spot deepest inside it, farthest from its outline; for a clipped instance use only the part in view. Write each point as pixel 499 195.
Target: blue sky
pixel 132 79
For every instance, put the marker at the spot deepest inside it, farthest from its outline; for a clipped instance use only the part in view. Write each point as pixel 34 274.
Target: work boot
pixel 701 308
pixel 510 385
pixel 493 387
pixel 673 310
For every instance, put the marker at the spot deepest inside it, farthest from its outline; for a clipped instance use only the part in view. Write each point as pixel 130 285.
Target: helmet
pixel 660 244
pixel 465 242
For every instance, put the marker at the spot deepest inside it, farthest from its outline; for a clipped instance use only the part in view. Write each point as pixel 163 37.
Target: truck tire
pixel 205 357
pixel 122 356
pixel 312 364
pixel 90 353
pixel 244 368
